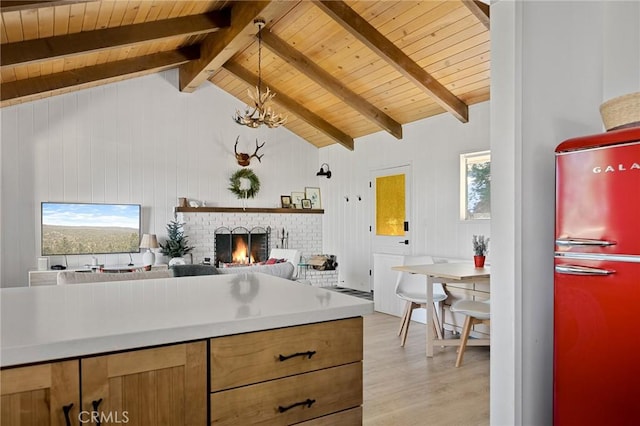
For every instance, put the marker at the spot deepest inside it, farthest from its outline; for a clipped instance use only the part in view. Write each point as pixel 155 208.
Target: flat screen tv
pixel 88 228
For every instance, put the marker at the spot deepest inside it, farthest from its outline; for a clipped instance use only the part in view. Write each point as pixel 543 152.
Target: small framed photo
pixel 296 199
pixel 313 194
pixel 306 203
pixel 285 201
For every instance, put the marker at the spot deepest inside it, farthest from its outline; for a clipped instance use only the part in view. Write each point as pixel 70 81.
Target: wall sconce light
pixel 324 171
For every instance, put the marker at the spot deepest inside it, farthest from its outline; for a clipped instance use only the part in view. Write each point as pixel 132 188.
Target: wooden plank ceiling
pixel 341 69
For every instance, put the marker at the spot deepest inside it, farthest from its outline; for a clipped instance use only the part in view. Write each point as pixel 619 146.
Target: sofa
pixel 74 277
pixel 284 270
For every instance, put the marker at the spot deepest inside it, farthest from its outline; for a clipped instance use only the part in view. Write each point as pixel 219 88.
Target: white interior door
pixel 390 218
pixel 390 230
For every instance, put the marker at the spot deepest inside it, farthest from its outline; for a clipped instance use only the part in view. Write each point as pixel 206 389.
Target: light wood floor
pixel 403 387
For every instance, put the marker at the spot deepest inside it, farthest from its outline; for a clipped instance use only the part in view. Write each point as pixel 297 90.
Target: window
pixel 475 185
pixel 390 205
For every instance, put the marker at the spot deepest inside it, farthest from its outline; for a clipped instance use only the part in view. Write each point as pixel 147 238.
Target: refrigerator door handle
pixel 582 270
pixel 572 242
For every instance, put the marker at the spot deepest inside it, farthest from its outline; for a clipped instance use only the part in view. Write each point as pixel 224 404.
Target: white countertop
pixel 62 321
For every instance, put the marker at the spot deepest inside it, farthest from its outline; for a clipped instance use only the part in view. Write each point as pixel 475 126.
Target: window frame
pixel 466 159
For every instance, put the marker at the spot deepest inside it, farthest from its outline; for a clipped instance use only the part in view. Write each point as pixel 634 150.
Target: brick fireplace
pixel 303 230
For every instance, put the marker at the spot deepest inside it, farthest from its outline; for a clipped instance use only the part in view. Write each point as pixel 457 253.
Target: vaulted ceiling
pixel 341 69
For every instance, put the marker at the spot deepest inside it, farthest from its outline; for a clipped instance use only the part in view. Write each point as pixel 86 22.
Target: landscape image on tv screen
pixel 75 228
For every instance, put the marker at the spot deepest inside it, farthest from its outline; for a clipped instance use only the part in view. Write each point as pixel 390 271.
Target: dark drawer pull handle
pixel 308 353
pixel 308 403
pixel 65 410
pixel 95 405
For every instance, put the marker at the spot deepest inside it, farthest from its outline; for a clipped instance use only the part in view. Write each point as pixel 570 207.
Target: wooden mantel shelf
pixel 246 210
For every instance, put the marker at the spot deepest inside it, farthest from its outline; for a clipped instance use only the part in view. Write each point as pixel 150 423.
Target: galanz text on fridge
pixel 620 168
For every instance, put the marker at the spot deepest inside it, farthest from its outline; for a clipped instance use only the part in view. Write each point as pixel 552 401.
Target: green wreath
pixel 242 191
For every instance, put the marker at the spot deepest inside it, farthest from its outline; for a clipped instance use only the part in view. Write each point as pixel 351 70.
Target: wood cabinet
pixel 158 386
pixel 308 374
pixel 288 375
pixel 40 395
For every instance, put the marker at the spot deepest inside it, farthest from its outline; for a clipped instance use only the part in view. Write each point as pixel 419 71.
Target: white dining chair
pixel 413 289
pixel 477 312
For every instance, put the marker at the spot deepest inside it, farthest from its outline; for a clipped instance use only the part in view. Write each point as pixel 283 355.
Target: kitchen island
pixel 225 349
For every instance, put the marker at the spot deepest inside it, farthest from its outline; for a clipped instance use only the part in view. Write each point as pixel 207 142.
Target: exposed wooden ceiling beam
pixel 219 47
pixel 16 5
pixel 33 51
pixel 293 106
pixel 54 84
pixel 331 84
pixel 480 11
pixel 374 40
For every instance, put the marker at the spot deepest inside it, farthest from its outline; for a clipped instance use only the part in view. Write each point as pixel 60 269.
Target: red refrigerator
pixel 597 280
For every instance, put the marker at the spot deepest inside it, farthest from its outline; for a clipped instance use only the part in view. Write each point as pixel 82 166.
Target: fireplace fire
pixel 241 254
pixel 241 246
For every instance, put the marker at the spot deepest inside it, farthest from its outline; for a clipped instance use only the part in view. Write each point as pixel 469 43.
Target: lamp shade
pixel 149 241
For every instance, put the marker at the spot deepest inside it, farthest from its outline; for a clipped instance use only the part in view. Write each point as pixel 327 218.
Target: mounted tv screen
pixel 77 228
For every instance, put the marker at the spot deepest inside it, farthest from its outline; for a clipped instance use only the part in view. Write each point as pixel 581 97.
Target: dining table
pixel 449 272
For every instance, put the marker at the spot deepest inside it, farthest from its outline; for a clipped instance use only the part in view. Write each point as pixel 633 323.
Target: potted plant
pixel 480 246
pixel 177 244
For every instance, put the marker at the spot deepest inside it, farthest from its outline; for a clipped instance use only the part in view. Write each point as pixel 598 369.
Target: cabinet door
pixel 45 394
pixel 158 386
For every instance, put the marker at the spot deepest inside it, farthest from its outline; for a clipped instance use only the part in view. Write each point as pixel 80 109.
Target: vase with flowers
pixel 480 247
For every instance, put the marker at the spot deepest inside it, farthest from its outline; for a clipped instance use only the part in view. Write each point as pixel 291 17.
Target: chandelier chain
pixel 260 112
pixel 259 58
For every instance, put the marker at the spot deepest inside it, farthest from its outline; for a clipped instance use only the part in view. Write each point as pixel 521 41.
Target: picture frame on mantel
pixel 306 203
pixel 313 194
pixel 296 199
pixel 285 201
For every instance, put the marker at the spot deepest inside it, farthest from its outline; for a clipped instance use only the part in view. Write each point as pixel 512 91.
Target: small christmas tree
pixel 176 245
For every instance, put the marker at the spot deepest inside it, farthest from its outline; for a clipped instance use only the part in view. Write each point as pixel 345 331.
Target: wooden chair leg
pixel 404 317
pixel 412 306
pixel 436 323
pixel 466 330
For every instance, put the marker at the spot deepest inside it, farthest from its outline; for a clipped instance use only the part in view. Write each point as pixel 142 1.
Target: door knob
pixel 405 242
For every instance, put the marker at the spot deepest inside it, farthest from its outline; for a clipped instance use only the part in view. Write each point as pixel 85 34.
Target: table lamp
pixel 149 241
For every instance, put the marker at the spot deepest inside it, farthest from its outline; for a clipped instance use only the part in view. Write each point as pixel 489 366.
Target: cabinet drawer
pixel 256 357
pixel 290 400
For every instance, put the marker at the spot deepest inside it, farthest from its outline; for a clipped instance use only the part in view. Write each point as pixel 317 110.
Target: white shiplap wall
pixel 137 141
pixel 142 141
pixel 432 147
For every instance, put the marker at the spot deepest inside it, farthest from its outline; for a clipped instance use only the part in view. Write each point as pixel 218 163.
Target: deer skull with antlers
pixel 244 159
